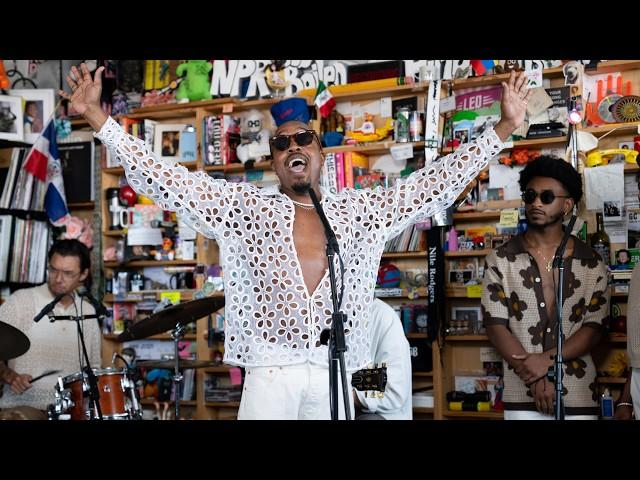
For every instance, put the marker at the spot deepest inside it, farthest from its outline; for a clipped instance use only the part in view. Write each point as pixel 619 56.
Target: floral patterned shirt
pixel 513 296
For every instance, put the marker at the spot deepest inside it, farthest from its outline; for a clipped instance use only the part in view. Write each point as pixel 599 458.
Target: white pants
pixel 293 392
pixel 529 415
pixel 635 391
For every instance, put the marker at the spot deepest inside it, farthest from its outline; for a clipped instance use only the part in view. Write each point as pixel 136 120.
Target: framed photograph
pixel 463 135
pixel 612 210
pixel 11 127
pixel 462 270
pixel 468 319
pixel 37 109
pixel 166 140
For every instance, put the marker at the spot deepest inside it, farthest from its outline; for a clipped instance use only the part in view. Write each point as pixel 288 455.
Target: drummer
pixel 54 345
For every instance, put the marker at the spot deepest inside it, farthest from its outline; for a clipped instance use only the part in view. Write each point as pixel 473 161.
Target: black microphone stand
pixel 94 391
pixel 335 338
pixel 555 372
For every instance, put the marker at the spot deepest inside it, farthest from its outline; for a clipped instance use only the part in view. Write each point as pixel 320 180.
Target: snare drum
pixel 118 399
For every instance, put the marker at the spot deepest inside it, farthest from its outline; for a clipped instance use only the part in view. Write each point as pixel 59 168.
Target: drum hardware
pixel 173 318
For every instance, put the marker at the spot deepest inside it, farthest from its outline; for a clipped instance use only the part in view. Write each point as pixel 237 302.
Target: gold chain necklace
pixel 306 206
pixel 549 265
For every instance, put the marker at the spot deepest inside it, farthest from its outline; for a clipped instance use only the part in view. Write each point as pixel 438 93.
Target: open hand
pixel 86 91
pixel 515 97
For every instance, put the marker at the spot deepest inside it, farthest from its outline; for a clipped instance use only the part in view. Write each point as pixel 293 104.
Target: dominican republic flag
pixel 324 100
pixel 481 66
pixel 43 162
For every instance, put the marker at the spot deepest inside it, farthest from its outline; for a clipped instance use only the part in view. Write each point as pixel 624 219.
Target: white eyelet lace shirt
pixel 271 318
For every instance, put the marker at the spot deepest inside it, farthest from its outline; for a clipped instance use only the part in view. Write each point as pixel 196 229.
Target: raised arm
pixel 198 199
pixel 436 186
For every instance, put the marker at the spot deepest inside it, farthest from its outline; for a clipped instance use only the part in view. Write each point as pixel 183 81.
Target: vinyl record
pixel 627 109
pixel 605 107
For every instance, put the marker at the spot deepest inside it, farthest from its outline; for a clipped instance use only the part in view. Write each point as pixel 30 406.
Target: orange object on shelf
pixel 4 78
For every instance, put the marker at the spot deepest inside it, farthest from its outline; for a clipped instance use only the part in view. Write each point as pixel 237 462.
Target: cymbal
pixel 167 319
pixel 170 364
pixel 13 342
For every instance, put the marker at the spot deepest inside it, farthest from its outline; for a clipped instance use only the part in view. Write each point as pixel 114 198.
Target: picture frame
pixel 11 121
pixel 612 210
pixel 166 140
pixel 471 316
pixel 37 109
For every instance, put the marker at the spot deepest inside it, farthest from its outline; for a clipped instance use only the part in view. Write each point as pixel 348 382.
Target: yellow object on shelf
pixel 599 156
pixel 480 407
pixel 357 86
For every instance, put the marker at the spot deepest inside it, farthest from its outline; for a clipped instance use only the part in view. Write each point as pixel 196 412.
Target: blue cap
pixel 289 110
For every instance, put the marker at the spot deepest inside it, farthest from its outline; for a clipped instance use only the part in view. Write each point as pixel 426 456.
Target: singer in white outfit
pixel 272 244
pixel 54 345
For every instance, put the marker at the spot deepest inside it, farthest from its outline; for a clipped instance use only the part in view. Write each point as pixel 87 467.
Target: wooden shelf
pixel 611 380
pixel 370 148
pixel 617 338
pixel 527 143
pixel 487 415
pixel 422 374
pixel 467 338
pixel 160 336
pixel 150 263
pixel 113 170
pixel 237 167
pixel 477 216
pixel 417 335
pixel 468 253
pixel 405 255
pixel 82 206
pixel 554 72
pixel 615 66
pixel 422 409
pixel 457 292
pixel 222 404
pixel 220 369
pixel 620 128
pixel 395 90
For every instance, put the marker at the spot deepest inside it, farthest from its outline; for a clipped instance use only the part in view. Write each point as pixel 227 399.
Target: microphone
pixel 330 234
pixel 48 308
pixel 101 310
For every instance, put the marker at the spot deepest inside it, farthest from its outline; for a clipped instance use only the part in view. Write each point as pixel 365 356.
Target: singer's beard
pixel 301 188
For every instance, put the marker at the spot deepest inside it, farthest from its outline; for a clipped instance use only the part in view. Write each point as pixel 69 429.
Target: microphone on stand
pixel 49 307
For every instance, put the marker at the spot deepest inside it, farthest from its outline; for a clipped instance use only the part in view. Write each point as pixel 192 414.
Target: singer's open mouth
pixel 297 163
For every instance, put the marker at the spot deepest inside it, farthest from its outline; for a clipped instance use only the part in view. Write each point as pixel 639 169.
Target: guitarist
pixel 389 345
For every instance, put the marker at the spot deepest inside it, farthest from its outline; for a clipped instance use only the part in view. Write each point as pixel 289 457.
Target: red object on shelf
pixel 128 195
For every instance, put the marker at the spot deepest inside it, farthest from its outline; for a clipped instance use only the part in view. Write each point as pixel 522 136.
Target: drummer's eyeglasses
pixel 66 274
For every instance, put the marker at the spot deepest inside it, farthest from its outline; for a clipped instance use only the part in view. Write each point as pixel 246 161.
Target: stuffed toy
pixel 255 138
pixel 196 85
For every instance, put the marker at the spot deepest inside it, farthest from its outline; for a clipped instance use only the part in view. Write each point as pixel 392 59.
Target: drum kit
pixel 118 397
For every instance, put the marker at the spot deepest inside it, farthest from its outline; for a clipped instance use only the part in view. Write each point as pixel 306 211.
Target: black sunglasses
pixel 546 196
pixel 303 138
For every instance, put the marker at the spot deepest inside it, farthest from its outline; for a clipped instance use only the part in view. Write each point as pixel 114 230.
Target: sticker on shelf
pixel 474 291
pixel 448 104
pixel 509 218
pixel 402 152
